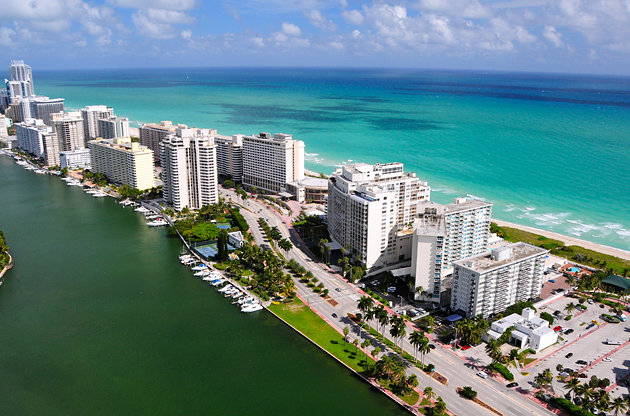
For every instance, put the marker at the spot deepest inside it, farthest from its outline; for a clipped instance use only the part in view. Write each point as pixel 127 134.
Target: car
pixel 466 347
pixel 563 374
pixel 581 362
pixel 554 292
pixel 582 375
pixel 432 346
pixel 512 384
pixel 374 282
pixel 559 290
pixel 361 285
pixel 482 374
pixel 589 326
pixel 334 315
pixel 580 308
pixel 622 318
pixel 590 301
pixel 569 331
pixel 391 289
pixel 556 313
pixel 557 328
pixel 569 355
pixel 601 306
pixel 568 370
pixel 607 360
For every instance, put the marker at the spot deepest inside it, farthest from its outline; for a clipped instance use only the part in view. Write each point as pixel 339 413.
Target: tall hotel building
pixel 91 115
pixel 488 283
pixel 444 234
pixel 29 136
pixel 230 156
pixel 368 206
pixel 152 134
pixel 189 168
pixel 20 83
pixel 113 127
pixel 269 163
pixel 69 129
pixel 123 161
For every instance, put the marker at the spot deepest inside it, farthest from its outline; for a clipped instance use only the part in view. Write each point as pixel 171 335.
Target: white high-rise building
pixel 3 126
pixel 369 209
pixel 29 136
pixel 51 148
pixel 189 168
pixel 444 234
pixel 91 115
pixel 230 156
pixel 113 127
pixel 270 162
pixel 44 107
pixel 20 82
pixel 76 159
pixel 69 129
pixel 123 162
pixel 151 134
pixel 488 283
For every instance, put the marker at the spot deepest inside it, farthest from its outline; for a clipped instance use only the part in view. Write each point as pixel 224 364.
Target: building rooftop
pixel 500 257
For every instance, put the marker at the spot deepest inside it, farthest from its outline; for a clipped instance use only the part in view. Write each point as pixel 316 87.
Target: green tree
pixel 285 245
pixel 222 246
pixel 619 406
pixel 382 317
pixel 468 392
pixel 571 384
pixel 415 339
pixel 493 349
pixel 366 303
pixel 346 331
pixel 570 308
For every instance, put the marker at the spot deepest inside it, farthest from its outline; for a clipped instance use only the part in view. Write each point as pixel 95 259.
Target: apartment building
pixel 69 129
pixel 189 168
pixel 44 107
pixel 51 149
pixel 91 115
pixel 76 159
pixel 151 134
pixel 270 162
pixel 368 206
pixel 488 283
pixel 230 156
pixel 20 82
pixel 123 162
pixel 29 136
pixel 113 127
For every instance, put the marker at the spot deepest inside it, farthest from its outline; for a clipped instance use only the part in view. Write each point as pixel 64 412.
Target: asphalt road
pixel 491 391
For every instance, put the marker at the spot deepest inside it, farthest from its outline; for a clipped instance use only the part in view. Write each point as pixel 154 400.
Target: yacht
pixel 188 262
pixel 141 209
pixel 226 288
pixel 199 267
pixel 253 307
pixel 217 282
pixel 158 222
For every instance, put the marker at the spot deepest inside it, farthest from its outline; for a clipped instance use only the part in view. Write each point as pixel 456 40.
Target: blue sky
pixel 583 36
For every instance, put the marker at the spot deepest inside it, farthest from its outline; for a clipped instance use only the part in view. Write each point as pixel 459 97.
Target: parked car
pixel 557 328
pixel 563 374
pixel 512 384
pixel 607 360
pixel 601 306
pixel 581 362
pixel 590 301
pixel 432 346
pixel 569 331
pixel 580 308
pixel 569 355
pixel 582 375
pixel 622 318
pixel 391 289
pixel 589 326
pixel 556 313
pixel 466 347
pixel 482 374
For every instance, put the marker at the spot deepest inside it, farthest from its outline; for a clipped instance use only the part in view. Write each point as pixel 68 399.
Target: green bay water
pixel 99 318
pixel 549 150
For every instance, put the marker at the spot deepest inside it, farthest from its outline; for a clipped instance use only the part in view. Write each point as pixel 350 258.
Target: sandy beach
pixel 570 241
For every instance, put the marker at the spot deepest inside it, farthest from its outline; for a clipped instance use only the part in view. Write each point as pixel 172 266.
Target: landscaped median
pixel 302 318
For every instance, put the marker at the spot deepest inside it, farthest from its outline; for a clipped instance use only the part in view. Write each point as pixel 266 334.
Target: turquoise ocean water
pixel 550 151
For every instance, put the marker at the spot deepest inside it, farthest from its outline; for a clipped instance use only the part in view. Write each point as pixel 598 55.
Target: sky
pixel 574 36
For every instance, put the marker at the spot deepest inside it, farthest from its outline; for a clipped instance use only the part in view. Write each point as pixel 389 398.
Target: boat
pixel 225 288
pixel 141 209
pixel 251 308
pixel 207 278
pixel 199 267
pixel 99 194
pixel 237 295
pixel 126 202
pixel 189 261
pixel 201 273
pixel 158 222
pixel 217 282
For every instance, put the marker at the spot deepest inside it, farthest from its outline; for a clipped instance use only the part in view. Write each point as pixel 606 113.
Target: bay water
pixel 99 318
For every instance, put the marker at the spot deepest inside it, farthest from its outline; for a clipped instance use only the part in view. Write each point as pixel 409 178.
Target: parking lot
pixel 588 345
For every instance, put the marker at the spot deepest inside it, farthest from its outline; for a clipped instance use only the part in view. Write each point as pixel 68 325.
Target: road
pixel 507 401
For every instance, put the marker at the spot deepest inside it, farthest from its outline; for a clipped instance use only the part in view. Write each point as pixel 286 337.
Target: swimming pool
pixel 574 269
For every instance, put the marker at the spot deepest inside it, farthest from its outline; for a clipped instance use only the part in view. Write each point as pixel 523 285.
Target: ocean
pixel 550 151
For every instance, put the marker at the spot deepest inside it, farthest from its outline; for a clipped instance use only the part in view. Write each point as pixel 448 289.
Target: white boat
pixel 189 261
pixel 251 308
pixel 99 194
pixel 201 273
pixel 126 202
pixel 141 209
pixel 237 295
pixel 199 267
pixel 217 282
pixel 158 222
pixel 207 278
pixel 226 288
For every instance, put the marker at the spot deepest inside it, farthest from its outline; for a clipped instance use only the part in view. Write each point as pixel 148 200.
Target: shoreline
pixel 6 268
pixel 571 241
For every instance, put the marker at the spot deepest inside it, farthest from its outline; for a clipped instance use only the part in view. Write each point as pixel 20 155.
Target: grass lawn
pixel 410 398
pixel 309 323
pixel 425 402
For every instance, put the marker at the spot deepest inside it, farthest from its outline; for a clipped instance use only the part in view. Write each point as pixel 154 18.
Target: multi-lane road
pixel 507 401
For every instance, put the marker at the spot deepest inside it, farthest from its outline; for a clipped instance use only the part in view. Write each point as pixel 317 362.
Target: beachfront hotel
pixel 488 283
pixel 76 159
pixel 270 162
pixel 189 168
pixel 368 205
pixel 151 134
pixel 113 127
pixel 20 83
pixel 69 129
pixel 29 136
pixel 230 156
pixel 44 107
pixel 91 114
pixel 123 162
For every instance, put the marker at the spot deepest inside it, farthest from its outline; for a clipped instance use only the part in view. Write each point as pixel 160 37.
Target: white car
pixel 482 374
pixel 607 360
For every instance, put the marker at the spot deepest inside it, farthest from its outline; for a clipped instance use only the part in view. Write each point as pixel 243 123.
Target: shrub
pixel 240 221
pixel 568 407
pixel 547 317
pixel 310 284
pixel 468 393
pixel 501 369
pixel 568 317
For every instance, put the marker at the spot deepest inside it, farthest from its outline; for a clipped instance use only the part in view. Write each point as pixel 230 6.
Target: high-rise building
pixel 151 134
pixel 230 156
pixel 113 127
pixel 369 205
pixel 91 115
pixel 189 168
pixel 44 107
pixel 444 234
pixel 76 159
pixel 20 82
pixel 51 148
pixel 69 129
pixel 123 162
pixel 3 126
pixel 488 283
pixel 270 162
pixel 29 134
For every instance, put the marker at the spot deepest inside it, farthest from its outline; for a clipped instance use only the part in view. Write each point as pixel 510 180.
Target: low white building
pixel 76 159
pixel 235 239
pixel 529 330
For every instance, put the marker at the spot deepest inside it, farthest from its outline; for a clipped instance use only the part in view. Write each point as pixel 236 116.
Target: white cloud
pixel 353 16
pixel 156 4
pixel 356 34
pixel 552 35
pixel 258 41
pixel 186 34
pixel 291 29
pixel 159 23
pixel 470 9
pixel 336 45
pixel 317 19
pixel 6 34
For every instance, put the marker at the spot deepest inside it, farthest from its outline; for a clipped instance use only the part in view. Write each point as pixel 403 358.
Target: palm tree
pixel 382 316
pixel 428 393
pixel 415 338
pixel 365 304
pixel 364 345
pixel 356 345
pixel 512 357
pixel 544 379
pixel 571 385
pixel 619 406
pixel 412 381
pixel 424 348
pixel 570 307
pixel 493 349
pixel 346 331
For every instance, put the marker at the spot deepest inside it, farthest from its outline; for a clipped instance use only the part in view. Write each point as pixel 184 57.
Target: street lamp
pixel 401 299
